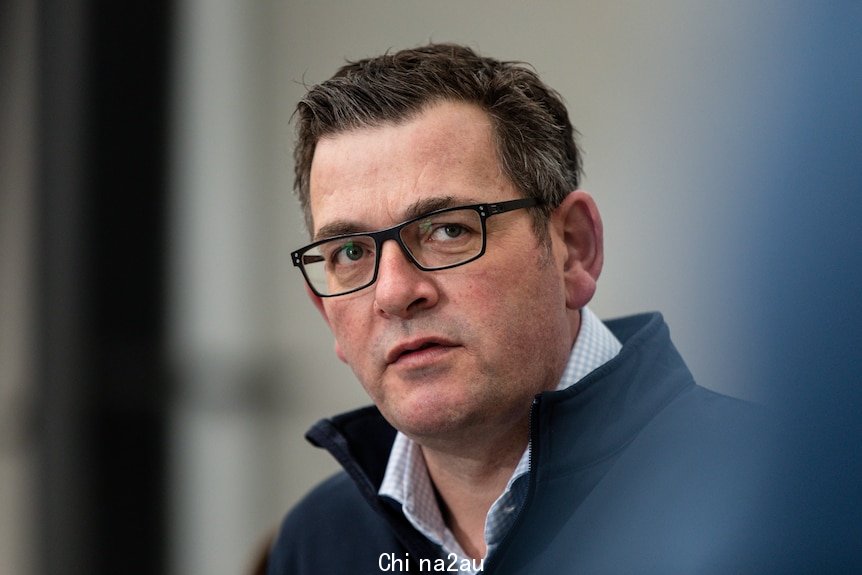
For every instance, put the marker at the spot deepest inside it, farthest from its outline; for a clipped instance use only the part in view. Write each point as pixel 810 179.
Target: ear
pixel 318 303
pixel 577 230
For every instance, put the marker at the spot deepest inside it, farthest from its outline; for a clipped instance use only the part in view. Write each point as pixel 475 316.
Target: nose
pixel 402 289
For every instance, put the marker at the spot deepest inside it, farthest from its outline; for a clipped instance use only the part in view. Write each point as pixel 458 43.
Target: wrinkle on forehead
pixel 375 174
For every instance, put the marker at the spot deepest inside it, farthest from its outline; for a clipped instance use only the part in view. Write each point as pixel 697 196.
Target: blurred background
pixel 159 361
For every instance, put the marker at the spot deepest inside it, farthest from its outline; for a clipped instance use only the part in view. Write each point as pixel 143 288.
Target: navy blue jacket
pixel 635 469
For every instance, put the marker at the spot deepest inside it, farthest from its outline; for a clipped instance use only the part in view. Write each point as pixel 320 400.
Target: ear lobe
pixel 318 303
pixel 580 225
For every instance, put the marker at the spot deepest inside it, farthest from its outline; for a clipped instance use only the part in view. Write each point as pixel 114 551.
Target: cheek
pixel 528 308
pixel 349 331
pixel 510 307
pixel 525 281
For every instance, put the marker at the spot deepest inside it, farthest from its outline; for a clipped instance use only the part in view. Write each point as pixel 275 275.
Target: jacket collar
pixel 578 426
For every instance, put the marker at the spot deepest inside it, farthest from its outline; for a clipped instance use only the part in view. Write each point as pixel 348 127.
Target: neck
pixel 468 484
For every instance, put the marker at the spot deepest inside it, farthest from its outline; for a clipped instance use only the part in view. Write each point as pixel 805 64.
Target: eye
pixel 348 253
pixel 448 231
pixel 351 251
pixel 437 238
pixel 443 231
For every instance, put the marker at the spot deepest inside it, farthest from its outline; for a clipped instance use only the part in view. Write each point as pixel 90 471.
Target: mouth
pixel 415 349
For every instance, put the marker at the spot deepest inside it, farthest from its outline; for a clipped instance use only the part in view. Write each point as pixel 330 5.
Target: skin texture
pixel 503 325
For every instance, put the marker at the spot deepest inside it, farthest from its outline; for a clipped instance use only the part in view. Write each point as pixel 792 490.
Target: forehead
pixel 372 176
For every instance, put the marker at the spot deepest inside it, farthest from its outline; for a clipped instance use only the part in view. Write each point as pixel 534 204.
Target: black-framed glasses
pixel 438 240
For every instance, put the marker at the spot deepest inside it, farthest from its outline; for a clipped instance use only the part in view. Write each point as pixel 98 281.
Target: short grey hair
pixel 535 140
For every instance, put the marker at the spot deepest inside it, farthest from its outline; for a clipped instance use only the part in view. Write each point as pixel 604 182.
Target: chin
pixel 429 421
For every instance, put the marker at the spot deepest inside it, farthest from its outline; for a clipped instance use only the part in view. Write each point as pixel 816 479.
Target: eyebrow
pixel 414 210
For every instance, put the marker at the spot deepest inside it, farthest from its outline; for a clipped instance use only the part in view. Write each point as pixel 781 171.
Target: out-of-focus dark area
pixel 85 124
pixel 159 362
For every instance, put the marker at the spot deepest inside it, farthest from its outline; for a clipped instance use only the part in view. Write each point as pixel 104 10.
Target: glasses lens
pixel 340 265
pixel 445 239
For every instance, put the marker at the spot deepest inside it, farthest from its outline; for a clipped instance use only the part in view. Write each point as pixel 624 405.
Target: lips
pixel 414 347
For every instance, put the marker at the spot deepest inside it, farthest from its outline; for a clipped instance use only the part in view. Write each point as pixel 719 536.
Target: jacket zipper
pixel 531 486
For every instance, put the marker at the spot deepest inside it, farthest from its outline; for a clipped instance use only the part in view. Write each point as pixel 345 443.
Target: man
pixel 453 256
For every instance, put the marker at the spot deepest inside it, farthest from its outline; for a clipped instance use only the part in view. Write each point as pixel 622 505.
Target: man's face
pixel 447 353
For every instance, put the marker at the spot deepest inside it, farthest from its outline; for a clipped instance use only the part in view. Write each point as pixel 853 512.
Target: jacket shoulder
pixel 331 530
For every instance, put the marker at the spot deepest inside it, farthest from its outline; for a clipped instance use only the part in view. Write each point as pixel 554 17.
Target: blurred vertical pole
pixel 99 309
pixel 129 57
pixel 221 286
pixel 17 182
